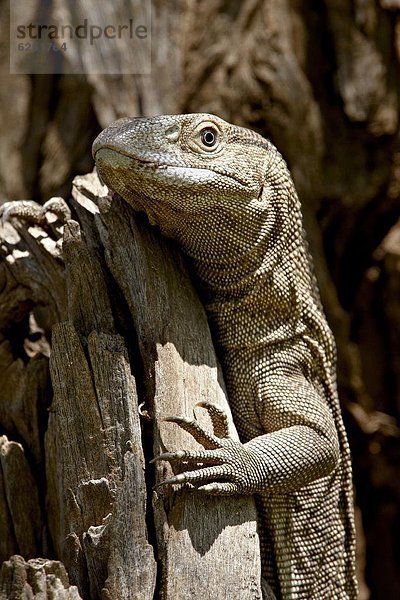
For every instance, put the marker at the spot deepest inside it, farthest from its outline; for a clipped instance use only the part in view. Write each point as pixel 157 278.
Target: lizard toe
pixel 207 440
pixel 199 475
pixel 26 210
pixel 220 488
pixel 219 418
pixel 58 207
pixel 201 456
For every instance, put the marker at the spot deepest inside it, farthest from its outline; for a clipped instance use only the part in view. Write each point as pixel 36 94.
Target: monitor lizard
pixel 225 194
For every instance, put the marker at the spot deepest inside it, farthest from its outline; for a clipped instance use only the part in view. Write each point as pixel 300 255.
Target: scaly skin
pixel 225 194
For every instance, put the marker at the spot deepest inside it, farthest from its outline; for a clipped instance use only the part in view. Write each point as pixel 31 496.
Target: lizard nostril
pixel 173 132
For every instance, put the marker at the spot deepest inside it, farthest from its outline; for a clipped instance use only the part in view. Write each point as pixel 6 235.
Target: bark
pixel 130 314
pixel 35 579
pixel 322 80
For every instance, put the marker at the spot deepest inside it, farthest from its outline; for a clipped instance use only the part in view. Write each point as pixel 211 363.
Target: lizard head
pixel 202 180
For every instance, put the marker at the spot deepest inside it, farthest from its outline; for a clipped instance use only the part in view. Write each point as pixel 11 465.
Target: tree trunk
pixel 132 322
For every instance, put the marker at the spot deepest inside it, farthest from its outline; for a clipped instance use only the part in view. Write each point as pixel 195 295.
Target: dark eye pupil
pixel 208 137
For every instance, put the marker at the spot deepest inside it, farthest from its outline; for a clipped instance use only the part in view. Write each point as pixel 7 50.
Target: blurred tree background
pixel 321 79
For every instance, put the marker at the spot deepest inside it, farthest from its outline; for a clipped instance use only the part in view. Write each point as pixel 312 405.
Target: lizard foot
pixel 221 467
pixel 32 212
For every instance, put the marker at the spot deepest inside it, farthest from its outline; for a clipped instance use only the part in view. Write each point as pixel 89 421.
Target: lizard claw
pixel 220 488
pixel 27 210
pixel 198 476
pixel 171 481
pixel 169 456
pixel 218 417
pixel 221 468
pixel 201 456
pixel 32 212
pixel 58 207
pixel 207 488
pixel 208 440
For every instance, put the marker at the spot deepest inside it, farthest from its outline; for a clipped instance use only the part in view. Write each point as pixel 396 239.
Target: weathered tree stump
pixel 131 331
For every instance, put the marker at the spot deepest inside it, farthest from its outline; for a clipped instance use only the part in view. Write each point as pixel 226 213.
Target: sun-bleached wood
pixel 217 536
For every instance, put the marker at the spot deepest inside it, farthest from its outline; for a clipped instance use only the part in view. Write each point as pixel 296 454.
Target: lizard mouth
pixel 137 159
pixel 150 164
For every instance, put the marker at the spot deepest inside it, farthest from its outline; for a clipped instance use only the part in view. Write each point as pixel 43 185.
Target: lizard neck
pixel 266 302
pixel 246 277
pixel 256 291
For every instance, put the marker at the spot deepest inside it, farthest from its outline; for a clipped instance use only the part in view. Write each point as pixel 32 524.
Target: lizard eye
pixel 209 136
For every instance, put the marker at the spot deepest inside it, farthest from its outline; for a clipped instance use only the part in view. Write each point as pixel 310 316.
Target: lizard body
pixel 225 194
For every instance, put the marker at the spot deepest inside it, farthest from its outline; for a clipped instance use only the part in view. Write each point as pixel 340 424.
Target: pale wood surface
pixel 130 330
